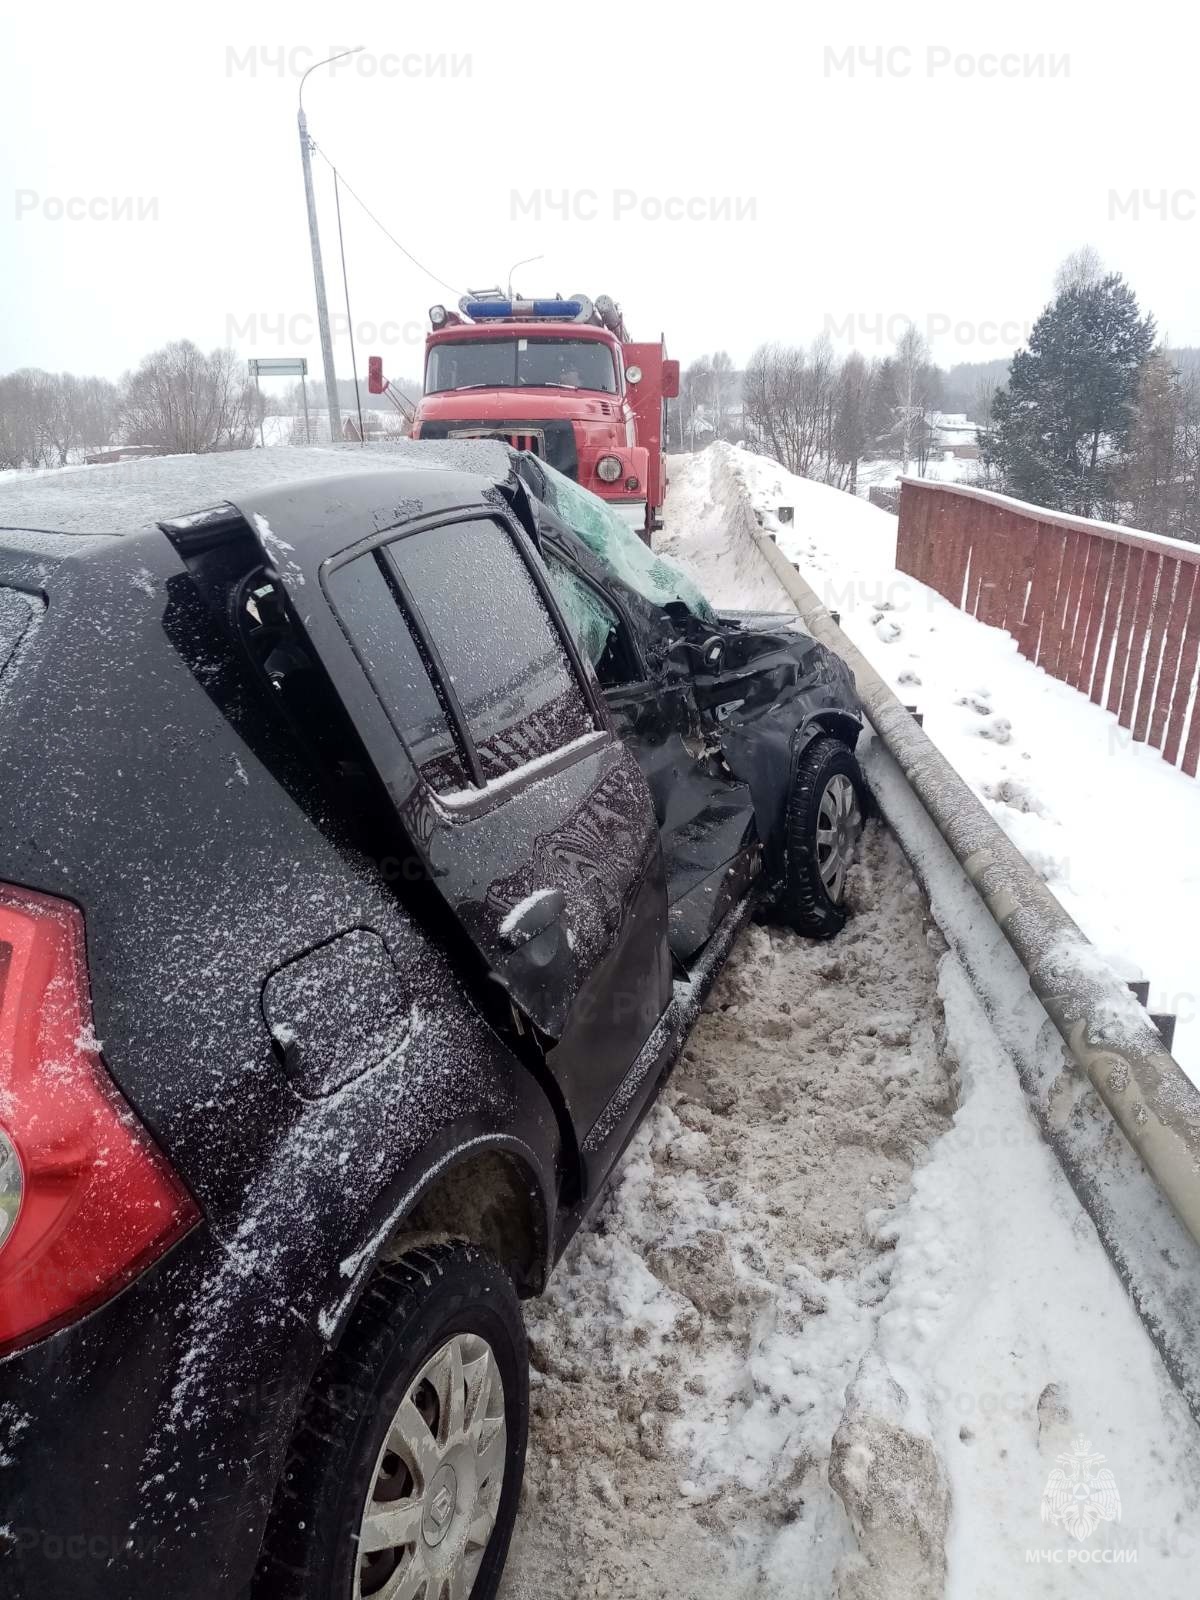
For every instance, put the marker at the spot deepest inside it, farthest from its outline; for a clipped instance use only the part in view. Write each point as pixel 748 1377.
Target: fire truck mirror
pixel 670 380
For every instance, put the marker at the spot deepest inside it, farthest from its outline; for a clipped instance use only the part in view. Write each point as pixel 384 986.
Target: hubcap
pixel 839 823
pixel 435 1492
pixel 440 1501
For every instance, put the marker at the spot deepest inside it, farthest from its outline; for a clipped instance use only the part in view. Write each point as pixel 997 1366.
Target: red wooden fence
pixel 1112 612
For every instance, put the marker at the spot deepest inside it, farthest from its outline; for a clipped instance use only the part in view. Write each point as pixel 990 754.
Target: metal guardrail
pixel 1113 1039
pixel 1104 1029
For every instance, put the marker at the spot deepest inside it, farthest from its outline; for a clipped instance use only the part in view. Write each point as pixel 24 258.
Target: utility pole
pixel 331 394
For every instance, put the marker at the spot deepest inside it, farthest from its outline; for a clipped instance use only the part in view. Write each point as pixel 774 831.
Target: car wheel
pixel 824 822
pixel 403 1476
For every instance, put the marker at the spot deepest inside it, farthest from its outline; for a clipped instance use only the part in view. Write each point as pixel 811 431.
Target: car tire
pixel 828 797
pixel 385 1449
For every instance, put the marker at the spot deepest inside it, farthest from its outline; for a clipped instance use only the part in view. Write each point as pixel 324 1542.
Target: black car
pixel 372 825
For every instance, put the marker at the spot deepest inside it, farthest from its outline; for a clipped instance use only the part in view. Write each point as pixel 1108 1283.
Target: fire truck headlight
pixel 633 374
pixel 608 469
pixel 437 315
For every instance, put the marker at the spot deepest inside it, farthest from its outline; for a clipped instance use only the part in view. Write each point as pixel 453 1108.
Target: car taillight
pixel 86 1200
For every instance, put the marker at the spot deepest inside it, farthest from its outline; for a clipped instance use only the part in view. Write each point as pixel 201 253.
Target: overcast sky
pixel 942 178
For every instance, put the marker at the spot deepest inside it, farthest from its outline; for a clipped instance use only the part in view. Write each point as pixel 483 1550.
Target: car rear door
pixel 529 817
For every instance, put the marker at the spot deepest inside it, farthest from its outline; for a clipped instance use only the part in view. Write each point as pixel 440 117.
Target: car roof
pixel 121 497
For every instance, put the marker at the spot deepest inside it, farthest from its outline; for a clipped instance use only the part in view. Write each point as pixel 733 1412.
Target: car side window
pixel 596 625
pixel 498 647
pixel 370 614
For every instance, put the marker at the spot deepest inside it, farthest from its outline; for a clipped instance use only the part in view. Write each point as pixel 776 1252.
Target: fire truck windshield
pixel 520 363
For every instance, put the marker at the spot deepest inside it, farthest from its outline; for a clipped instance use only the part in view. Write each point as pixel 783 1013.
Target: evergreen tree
pixel 1060 427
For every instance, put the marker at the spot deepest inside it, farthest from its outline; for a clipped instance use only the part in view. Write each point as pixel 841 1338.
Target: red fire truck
pixel 559 377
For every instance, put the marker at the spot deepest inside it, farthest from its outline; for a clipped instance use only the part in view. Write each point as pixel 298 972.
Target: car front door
pixel 705 814
pixel 529 817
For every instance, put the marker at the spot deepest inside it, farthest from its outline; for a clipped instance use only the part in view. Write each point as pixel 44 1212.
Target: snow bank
pixel 691 1358
pixel 1005 1315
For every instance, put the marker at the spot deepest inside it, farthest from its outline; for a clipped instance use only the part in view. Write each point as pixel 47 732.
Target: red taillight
pixel 86 1201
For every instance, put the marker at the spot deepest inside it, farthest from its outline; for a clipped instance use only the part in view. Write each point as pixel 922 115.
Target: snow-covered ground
pixel 1112 828
pixel 283 428
pixel 886 474
pixel 841 1327
pixel 691 1357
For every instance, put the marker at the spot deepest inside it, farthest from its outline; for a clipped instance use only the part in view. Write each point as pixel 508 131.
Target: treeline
pixel 47 418
pixel 817 413
pixel 178 400
pixel 1095 416
pixel 820 415
pixel 1098 417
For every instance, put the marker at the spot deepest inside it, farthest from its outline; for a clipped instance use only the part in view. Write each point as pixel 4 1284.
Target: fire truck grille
pixel 550 439
pixel 533 442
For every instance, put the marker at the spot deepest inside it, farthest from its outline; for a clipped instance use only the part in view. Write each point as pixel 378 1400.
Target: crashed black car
pixel 372 825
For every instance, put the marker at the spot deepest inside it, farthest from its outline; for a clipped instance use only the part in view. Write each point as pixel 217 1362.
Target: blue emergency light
pixel 493 310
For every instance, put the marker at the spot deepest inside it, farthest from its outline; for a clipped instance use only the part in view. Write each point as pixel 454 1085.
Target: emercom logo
pixel 1080 1494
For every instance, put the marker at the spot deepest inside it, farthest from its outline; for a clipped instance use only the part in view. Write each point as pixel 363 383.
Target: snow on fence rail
pixel 1112 612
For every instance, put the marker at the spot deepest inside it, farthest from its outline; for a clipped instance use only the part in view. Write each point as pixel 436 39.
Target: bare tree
pixel 47 417
pixel 772 403
pixel 852 419
pixel 980 408
pixel 695 394
pixel 1082 269
pixel 721 382
pixel 1161 484
pixel 1188 525
pixel 916 388
pixel 185 402
pixel 789 406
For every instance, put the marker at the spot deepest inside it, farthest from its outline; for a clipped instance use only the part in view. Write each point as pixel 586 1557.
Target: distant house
pixel 954 435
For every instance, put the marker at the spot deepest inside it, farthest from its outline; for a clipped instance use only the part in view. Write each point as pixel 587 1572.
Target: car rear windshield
pixel 516 363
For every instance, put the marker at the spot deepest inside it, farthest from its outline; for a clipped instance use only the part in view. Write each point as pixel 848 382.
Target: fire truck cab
pixel 560 378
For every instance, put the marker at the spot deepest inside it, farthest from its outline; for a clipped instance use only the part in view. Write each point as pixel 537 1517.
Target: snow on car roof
pixel 125 495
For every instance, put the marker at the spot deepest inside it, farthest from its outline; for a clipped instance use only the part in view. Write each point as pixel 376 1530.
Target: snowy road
pixel 840 1319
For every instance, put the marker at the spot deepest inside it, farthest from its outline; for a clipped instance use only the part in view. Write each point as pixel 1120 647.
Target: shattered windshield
pixel 607 535
pixel 521 364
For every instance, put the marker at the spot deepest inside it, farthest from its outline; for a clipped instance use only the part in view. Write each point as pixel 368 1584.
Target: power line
pixel 338 175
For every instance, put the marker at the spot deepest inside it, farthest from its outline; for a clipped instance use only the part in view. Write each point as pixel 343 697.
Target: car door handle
pixel 532 916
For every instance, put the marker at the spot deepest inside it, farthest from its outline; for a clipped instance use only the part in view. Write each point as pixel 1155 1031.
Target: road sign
pixel 279 367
